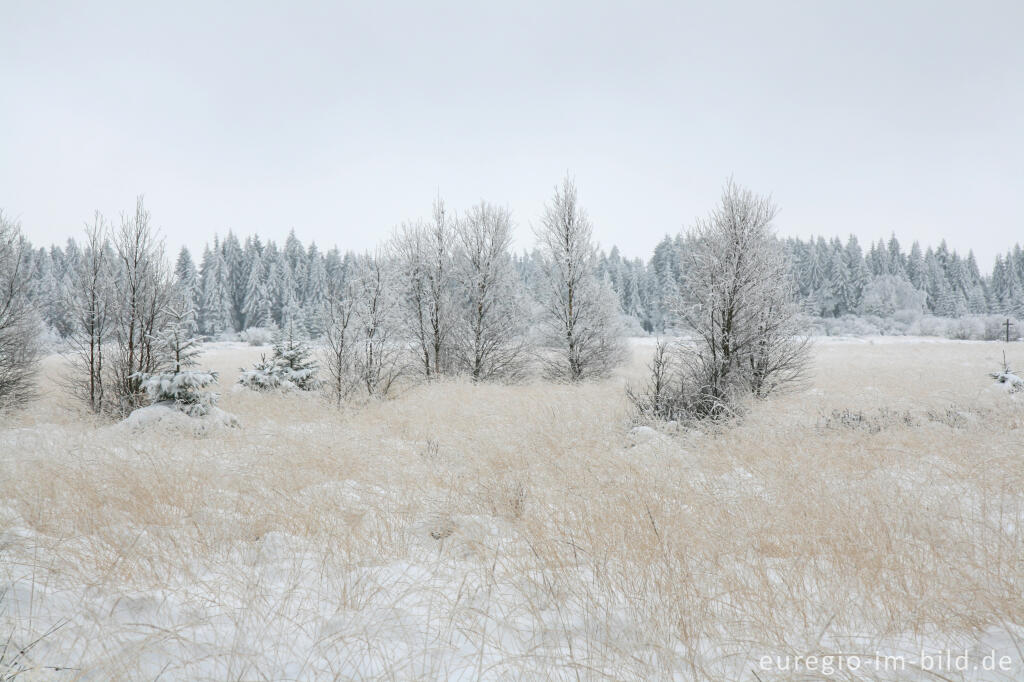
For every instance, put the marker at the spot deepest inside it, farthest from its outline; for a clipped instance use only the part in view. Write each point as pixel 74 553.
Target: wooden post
pixel 1007 325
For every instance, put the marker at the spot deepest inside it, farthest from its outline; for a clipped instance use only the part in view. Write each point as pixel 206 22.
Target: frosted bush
pixel 995 327
pixel 258 336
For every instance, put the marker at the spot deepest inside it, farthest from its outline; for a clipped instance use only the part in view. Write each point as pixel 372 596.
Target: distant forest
pixel 236 284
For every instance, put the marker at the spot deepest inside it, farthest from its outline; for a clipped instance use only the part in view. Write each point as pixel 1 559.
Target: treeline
pixel 237 283
pixel 833 279
pixel 445 294
pixel 441 296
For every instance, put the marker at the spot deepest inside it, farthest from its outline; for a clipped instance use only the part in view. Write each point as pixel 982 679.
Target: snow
pixel 1009 382
pixel 168 416
pixel 650 341
pixel 453 604
pixel 431 617
pixel 275 610
pixel 643 434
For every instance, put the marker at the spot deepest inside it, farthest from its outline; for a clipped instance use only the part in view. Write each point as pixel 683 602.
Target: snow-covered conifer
pixel 180 385
pixel 258 308
pixel 291 365
pixel 216 316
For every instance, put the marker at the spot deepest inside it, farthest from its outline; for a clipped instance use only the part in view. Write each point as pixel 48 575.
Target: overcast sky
pixel 342 120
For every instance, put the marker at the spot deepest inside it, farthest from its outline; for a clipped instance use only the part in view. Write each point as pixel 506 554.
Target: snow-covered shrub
pixel 258 336
pixel 1009 379
pixel 186 389
pixel 995 327
pixel 632 326
pixel 847 325
pixel 180 386
pixel 664 396
pixel 291 366
pixel 966 328
pixel 929 325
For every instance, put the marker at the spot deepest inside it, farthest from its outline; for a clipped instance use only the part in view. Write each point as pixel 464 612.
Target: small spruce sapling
pixel 181 386
pixel 1008 378
pixel 291 366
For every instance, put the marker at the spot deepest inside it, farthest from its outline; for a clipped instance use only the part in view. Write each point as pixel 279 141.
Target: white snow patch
pixel 168 417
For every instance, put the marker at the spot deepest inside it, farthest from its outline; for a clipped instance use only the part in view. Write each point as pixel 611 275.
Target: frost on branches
pixel 181 387
pixel 290 367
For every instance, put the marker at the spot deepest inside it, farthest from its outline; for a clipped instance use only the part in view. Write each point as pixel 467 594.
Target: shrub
pixel 258 336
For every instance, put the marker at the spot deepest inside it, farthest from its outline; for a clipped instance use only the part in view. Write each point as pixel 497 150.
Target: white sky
pixel 342 120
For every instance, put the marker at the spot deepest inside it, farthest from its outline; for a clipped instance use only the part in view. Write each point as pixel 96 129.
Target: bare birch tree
pixel 422 253
pixel 581 312
pixel 341 337
pixel 738 299
pixel 90 299
pixel 408 248
pixel 19 324
pixel 378 361
pixel 144 289
pixel 491 341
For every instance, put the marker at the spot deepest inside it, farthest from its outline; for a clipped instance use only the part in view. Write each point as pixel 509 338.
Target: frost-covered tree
pixel 378 360
pixel 216 311
pixel 237 276
pixel 315 293
pixel 1006 288
pixel 423 258
pixel 896 261
pixel 143 291
pixel 180 385
pixel 91 302
pixel 341 337
pixel 19 323
pixel 737 298
pixel 841 288
pixel 859 274
pixel 259 300
pixel 490 334
pixel 290 366
pixel 916 271
pixel 44 290
pixel 580 312
pixel 186 279
pixel 408 248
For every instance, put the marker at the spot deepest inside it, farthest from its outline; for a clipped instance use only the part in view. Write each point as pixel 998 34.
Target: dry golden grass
pixel 523 532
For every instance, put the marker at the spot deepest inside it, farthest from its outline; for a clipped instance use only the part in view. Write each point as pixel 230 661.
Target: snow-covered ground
pixel 526 532
pixel 871 339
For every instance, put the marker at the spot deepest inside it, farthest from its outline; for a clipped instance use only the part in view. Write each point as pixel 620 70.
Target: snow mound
pixel 166 416
pixel 1009 382
pixel 643 434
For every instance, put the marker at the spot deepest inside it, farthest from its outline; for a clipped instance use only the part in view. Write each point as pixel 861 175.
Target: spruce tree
pixel 916 268
pixel 258 300
pixel 216 308
pixel 291 365
pixel 236 278
pixel 186 279
pixel 180 385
